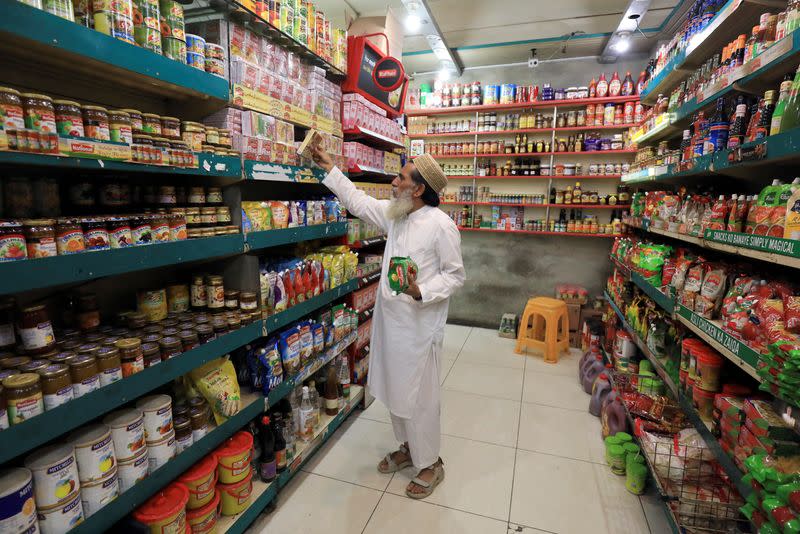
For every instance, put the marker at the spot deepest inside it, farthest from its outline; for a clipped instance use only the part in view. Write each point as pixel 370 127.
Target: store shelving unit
pixel 550 157
pixel 372 241
pixel 702 427
pixel 535 232
pixel 546 205
pixel 274 238
pixel 359 133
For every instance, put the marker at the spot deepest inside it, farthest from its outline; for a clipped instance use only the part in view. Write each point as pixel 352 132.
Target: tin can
pixel 146 14
pixel 174 48
pixel 196 60
pixel 114 24
pixel 60 8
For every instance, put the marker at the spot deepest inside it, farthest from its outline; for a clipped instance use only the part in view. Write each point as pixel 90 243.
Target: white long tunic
pixel 405 332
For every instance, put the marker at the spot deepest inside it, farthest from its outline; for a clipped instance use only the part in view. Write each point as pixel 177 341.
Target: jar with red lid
pixel 95 233
pixel 12 241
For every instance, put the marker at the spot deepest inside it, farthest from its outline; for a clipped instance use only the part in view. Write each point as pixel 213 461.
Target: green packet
pixel 401 272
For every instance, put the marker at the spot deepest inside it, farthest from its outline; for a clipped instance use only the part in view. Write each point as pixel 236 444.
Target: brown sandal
pixel 391 466
pixel 428 487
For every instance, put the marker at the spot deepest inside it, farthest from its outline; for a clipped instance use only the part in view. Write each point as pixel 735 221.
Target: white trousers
pixel 422 430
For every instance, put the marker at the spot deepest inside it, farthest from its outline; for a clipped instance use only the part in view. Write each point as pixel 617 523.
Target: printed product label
pixel 161 232
pixel 41 120
pixel 141 235
pixel 70 242
pixel 38 337
pixel 121 133
pixel 109 376
pixel 20 410
pixel 131 367
pixel 177 232
pixel 332 404
pixel 11 117
pixel 86 386
pixel 184 442
pixel 69 125
pixel 199 434
pixel 120 237
pixel 7 336
pixel 248 305
pixel 268 470
pixel 58 398
pixel 206 525
pixel 12 247
pixel 216 297
pixel 58 482
pixel 98 130
pixel 42 247
pixel 96 239
pixel 280 458
pixel 19 511
pixel 244 494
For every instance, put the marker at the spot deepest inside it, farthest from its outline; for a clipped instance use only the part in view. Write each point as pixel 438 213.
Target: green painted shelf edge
pixel 761 243
pixel 24 23
pixel 25 275
pixel 210 165
pixel 255 508
pixel 139 493
pixel 665 302
pixel 51 424
pixel 284 236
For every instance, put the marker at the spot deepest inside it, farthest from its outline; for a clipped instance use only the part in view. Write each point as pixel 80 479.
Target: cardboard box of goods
pixel 574 316
pixel 763 421
pixel 730 407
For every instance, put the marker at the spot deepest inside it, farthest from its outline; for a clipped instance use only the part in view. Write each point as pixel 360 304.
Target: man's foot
pixel 426 481
pixel 396 461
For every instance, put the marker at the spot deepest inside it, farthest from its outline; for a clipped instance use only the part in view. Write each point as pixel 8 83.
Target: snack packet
pixel 402 271
pixel 216 382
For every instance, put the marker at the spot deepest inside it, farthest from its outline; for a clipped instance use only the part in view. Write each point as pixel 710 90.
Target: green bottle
pixel 791 112
pixel 780 107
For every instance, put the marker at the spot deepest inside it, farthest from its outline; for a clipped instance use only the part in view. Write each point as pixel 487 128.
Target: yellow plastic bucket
pixel 234 458
pixel 204 520
pixel 236 497
pixel 165 511
pixel 200 481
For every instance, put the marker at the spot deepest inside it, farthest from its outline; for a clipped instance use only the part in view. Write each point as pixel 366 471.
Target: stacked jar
pixel 29 121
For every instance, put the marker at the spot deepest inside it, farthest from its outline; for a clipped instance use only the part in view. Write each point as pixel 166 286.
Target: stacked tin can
pixel 215 59
pixel 195 51
pixel 300 27
pixel 173 30
pixel 60 8
pixel 146 20
pixel 114 18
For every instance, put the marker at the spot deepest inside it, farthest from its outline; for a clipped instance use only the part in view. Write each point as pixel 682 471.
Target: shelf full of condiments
pixel 522 144
pixel 535 167
pixel 511 219
pixel 595 115
pixel 571 195
pixel 444 95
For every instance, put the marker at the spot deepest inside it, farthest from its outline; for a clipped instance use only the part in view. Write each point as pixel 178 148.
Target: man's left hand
pixel 413 290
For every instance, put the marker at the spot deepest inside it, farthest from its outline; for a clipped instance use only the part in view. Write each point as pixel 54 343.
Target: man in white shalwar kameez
pixel 408 329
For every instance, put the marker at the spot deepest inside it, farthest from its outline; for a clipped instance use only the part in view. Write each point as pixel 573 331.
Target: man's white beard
pixel 400 206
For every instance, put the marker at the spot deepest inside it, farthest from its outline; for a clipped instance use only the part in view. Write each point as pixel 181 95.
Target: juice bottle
pixel 792 225
pixel 307 416
pixel 777 215
pixel 602 86
pixel 783 98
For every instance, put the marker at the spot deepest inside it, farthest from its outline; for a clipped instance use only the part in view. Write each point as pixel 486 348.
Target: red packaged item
pixel 289 287
pixel 730 407
pixel 718 215
pixel 668 271
pixel 762 420
pixel 299 286
pixel 791 313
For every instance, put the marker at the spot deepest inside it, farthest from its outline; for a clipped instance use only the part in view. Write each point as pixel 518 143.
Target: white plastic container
pixel 17 504
pixel 162 451
pixel 157 416
pixel 133 470
pixel 98 493
pixel 63 518
pixel 55 475
pixel 127 432
pixel 94 450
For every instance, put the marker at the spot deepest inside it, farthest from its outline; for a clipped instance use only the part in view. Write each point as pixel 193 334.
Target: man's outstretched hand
pixel 321 158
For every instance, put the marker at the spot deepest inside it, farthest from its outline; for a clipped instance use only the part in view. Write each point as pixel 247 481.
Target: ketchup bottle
pixel 602 86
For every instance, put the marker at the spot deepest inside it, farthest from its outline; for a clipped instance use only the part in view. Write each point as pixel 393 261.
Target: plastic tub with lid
pixel 704 402
pixel 55 475
pixel 166 510
pixel 234 498
pixel 204 520
pixel 709 366
pixel 234 458
pixel 200 480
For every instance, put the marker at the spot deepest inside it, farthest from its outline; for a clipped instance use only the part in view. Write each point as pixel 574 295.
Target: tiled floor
pixel 521 452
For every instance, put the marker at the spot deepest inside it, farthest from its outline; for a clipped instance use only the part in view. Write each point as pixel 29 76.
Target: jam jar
pixel 36 330
pixel 212 135
pixel 170 347
pixel 95 233
pixel 119 231
pixel 69 118
pixel 95 123
pixel 194 134
pixel 40 237
pixel 11 109
pixel 85 375
pixel 151 353
pixel 151 124
pixel 141 231
pixel 56 385
pixel 120 128
pixel 189 339
pixel 130 352
pixel 137 127
pixel 214 195
pixel 171 127
pixel 23 395
pixel 38 112
pixel 177 226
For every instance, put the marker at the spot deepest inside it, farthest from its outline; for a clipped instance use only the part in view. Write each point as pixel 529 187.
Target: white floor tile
pixel 477 478
pixel 312 504
pixel 655 511
pixel 480 418
pixel 569 433
pixel 513 528
pixel 622 509
pixel 377 411
pixel 401 515
pixel 555 494
pixel 555 390
pixel 447 364
pixel 499 382
pixel 567 363
pixel 455 335
pixel 484 347
pixel 354 454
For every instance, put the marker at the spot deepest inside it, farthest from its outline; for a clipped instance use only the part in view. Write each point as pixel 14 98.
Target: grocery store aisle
pixel 521 452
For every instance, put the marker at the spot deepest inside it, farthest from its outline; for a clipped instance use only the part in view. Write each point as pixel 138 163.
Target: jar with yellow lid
pixel 23 395
pixel 194 134
pixel 38 113
pixel 11 109
pixel 224 138
pixel 120 127
pixel 95 123
pixel 212 135
pixel 136 120
pixel 69 118
pixel 151 124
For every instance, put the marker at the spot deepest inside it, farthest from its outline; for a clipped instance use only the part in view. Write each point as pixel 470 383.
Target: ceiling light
pixel 413 23
pixel 623 42
pixel 444 74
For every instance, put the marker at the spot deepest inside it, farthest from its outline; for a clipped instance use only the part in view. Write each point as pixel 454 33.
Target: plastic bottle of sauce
pixel 602 86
